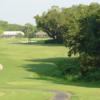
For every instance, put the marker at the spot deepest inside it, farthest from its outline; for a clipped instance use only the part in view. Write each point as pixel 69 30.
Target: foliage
pixel 69 66
pixel 14 27
pixel 29 31
pixel 53 23
pixel 85 41
pixel 1 31
pixel 76 13
pixel 78 26
pixel 4 25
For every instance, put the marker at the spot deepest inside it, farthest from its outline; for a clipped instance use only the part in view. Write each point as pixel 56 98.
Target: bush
pixel 51 41
pixel 92 75
pixel 69 67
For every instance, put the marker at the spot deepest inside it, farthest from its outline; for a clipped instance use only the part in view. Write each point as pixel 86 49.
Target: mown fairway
pixel 29 70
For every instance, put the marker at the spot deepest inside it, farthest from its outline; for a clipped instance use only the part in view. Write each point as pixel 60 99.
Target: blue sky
pixel 23 11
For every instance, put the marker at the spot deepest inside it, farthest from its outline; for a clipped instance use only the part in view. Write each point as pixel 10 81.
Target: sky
pixel 23 11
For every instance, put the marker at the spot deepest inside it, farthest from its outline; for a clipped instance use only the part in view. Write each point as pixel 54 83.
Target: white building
pixel 12 34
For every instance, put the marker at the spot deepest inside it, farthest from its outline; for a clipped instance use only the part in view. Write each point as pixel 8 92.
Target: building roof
pixel 41 33
pixel 13 32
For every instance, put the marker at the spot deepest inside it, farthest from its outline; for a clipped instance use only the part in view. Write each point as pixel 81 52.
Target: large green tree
pixel 86 40
pixel 53 23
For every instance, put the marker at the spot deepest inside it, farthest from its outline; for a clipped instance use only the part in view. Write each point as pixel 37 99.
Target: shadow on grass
pixel 48 69
pixel 37 43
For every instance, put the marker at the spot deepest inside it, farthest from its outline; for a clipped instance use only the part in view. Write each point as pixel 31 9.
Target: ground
pixel 29 71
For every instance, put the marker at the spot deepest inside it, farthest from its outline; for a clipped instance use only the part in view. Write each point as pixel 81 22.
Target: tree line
pixel 78 27
pixel 28 28
pixel 5 26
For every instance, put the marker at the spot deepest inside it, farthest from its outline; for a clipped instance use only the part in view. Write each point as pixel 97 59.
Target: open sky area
pixel 23 11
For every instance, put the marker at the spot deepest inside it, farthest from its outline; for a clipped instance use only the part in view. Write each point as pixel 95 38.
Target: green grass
pixel 18 94
pixel 30 68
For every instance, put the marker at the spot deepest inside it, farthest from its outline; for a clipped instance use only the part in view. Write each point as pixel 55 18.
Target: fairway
pixel 29 71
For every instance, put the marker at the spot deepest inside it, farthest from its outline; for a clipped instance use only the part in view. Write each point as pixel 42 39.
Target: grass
pixel 31 68
pixel 18 94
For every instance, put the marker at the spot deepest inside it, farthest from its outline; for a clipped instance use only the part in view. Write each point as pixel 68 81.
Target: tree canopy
pixel 29 31
pixel 79 28
pixel 53 23
pixel 4 25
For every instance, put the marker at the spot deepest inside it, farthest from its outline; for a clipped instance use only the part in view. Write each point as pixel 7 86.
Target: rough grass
pixel 31 68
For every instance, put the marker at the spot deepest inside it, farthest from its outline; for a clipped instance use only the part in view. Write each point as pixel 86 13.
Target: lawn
pixel 29 70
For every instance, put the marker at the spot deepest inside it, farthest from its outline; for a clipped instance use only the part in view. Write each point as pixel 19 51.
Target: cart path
pixel 59 95
pixel 62 96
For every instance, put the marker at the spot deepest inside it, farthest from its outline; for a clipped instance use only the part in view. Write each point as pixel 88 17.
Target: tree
pixel 86 40
pixel 1 32
pixel 14 27
pixel 74 14
pixel 4 25
pixel 53 23
pixel 29 31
